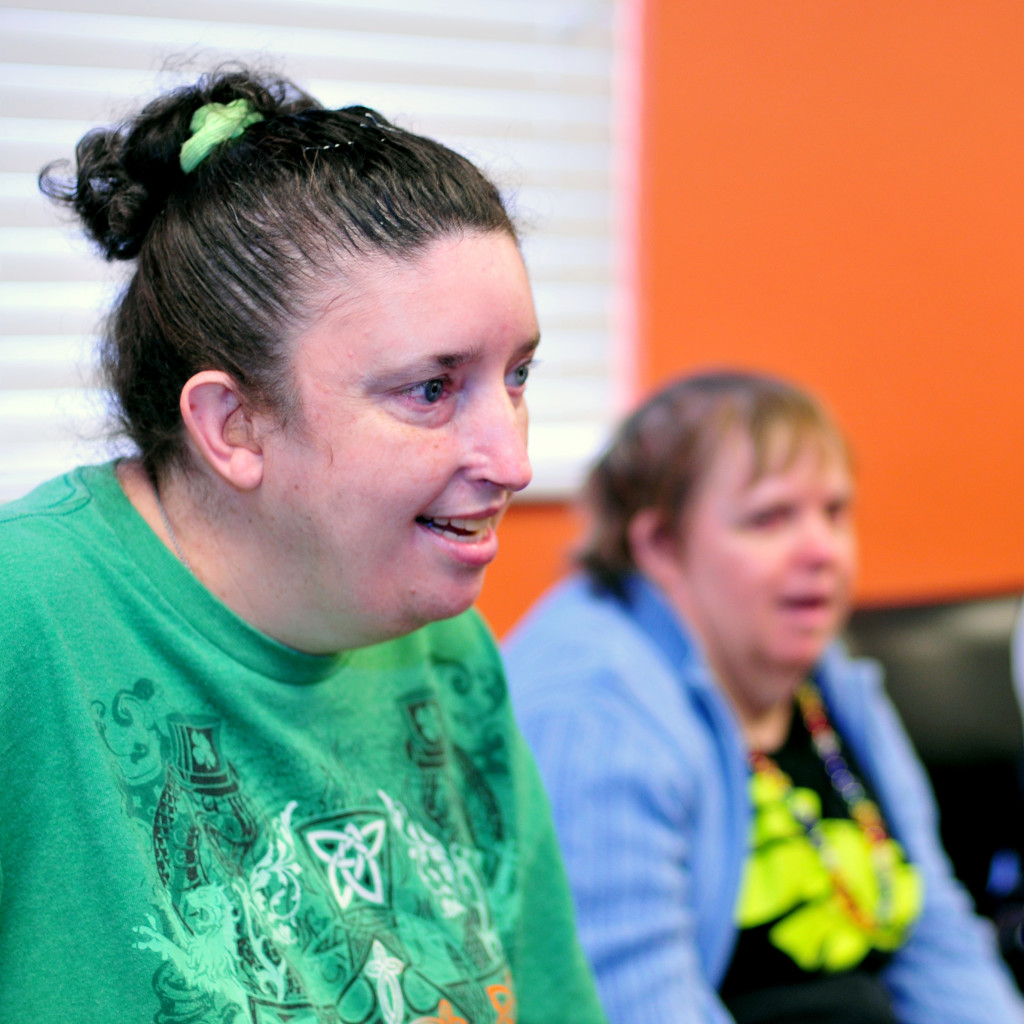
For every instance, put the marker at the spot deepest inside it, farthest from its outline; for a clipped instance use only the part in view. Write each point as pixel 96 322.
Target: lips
pixel 807 601
pixel 815 612
pixel 461 530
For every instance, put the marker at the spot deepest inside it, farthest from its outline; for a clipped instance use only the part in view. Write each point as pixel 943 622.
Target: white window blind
pixel 525 89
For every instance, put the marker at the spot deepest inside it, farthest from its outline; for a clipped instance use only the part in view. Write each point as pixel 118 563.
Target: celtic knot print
pixel 351 856
pixel 385 970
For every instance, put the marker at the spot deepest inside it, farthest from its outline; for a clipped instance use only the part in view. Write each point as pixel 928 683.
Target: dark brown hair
pixel 229 256
pixel 661 454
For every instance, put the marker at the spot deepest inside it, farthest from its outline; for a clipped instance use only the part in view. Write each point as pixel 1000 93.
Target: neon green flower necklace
pixel 882 907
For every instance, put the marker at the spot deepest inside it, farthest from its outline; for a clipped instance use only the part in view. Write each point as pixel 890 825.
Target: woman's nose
pixel 498 445
pixel 821 538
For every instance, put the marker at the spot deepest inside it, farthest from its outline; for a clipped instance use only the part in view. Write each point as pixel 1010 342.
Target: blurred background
pixel 526 90
pixel 827 191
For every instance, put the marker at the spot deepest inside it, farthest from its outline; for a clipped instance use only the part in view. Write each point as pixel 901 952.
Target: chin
pixel 453 608
pixel 446 606
pixel 803 662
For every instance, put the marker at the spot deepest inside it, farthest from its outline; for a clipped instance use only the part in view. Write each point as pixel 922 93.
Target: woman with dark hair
pixel 258 761
pixel 748 834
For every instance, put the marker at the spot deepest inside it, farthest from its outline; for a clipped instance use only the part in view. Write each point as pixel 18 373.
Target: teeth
pixel 472 525
pixel 461 529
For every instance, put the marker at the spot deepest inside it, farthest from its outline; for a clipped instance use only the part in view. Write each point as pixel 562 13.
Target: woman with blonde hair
pixel 748 833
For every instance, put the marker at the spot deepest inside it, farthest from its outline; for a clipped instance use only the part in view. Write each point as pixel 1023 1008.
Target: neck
pixel 221 542
pixel 767 731
pixel 764 707
pixel 142 492
pixel 172 510
pixel 170 529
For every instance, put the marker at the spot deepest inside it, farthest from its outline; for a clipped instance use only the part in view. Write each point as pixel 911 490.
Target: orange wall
pixel 535 550
pixel 835 192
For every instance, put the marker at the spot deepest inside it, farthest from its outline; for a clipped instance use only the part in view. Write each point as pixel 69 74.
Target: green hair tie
pixel 212 124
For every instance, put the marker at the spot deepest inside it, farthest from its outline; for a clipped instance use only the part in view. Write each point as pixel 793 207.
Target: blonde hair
pixel 660 456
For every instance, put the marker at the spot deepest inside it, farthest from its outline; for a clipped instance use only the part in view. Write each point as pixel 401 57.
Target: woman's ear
pixel 655 547
pixel 222 429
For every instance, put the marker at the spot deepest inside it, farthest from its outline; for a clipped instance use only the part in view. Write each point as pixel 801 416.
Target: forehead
pixel 454 298
pixel 743 462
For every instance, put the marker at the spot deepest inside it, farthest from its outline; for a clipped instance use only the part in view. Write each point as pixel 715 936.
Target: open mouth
pixel 464 531
pixel 808 604
pixel 805 602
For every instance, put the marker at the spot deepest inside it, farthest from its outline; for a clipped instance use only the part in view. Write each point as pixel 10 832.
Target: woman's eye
pixel 837 510
pixel 519 376
pixel 432 390
pixel 768 517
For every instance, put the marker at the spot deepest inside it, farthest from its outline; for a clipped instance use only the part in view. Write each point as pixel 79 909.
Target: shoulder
pixel 582 662
pixel 573 628
pixel 590 640
pixel 46 504
pixel 56 550
pixel 573 604
pixel 47 521
pixel 40 544
pixel 839 667
pixel 37 572
pixel 853 688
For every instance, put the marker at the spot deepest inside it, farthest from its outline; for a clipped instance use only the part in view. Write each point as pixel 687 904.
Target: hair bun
pixel 115 209
pixel 126 173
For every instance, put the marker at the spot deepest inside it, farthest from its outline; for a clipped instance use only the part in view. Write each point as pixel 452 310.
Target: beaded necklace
pixel 862 810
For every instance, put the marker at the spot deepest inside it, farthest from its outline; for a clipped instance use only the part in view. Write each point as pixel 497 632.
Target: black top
pixel 763 985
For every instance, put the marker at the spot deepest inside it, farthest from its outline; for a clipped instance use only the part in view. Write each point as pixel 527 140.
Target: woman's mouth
pixel 806 602
pixel 464 531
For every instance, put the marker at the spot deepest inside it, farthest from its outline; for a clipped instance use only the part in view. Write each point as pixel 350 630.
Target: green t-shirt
pixel 198 824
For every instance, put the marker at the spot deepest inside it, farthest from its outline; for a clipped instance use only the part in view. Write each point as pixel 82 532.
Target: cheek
pixel 746 576
pixel 847 577
pixel 851 558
